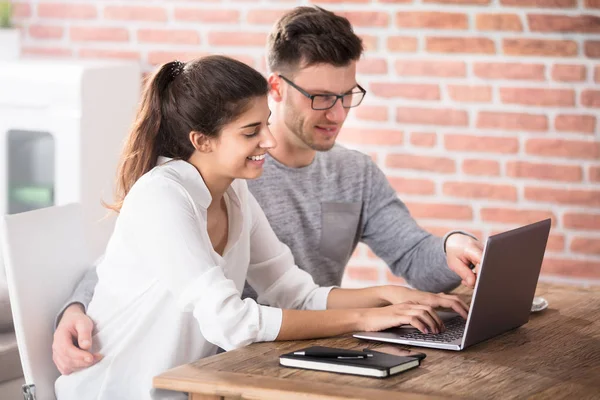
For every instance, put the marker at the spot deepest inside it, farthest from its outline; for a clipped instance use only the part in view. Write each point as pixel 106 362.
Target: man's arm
pixel 393 235
pixel 82 294
pixel 73 329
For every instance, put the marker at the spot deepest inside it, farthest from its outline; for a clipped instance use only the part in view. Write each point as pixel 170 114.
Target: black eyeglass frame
pixel 337 96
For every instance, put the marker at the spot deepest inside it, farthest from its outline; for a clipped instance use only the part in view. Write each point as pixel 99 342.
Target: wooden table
pixel 555 355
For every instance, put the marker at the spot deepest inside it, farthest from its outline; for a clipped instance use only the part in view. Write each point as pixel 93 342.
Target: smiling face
pixel 239 150
pixel 316 129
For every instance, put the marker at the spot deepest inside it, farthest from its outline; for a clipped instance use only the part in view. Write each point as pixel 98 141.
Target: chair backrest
pixel 45 256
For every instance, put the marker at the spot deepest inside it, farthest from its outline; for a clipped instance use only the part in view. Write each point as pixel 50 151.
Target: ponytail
pixel 142 147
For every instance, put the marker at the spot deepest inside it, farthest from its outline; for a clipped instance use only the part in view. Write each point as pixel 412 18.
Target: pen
pixel 333 354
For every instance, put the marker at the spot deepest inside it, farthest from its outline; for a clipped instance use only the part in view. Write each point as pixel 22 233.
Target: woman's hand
pixel 401 294
pixel 422 317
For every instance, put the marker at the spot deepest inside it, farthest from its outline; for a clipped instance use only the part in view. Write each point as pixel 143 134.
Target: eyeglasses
pixel 327 101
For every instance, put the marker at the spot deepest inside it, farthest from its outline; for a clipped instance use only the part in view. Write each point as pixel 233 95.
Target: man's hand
pixel 74 329
pixel 461 251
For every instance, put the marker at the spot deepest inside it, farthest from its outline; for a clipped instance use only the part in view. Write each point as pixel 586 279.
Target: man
pixel 320 198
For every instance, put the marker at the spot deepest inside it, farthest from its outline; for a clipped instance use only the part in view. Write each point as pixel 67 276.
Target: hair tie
pixel 176 68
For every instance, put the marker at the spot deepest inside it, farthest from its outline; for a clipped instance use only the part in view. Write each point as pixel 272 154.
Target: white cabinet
pixel 62 126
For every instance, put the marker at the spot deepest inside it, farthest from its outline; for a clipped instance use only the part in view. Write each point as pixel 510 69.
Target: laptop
pixel 502 298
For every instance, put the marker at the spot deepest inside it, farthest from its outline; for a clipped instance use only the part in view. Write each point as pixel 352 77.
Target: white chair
pixel 45 255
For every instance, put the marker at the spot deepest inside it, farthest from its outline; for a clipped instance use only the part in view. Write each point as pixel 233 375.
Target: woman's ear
pixel 275 87
pixel 201 142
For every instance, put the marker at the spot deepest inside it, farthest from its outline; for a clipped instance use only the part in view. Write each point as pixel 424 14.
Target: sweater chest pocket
pixel 339 227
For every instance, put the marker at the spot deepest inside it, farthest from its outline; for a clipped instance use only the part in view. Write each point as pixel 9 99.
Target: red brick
pixel 588 198
pixel 161 57
pixel 207 16
pixel 174 36
pixel 372 66
pixel 592 48
pixel 432 20
pixel 460 45
pixel 440 211
pixel 582 221
pixel 474 93
pixel 237 39
pixel 571 268
pixel 370 136
pixel 563 23
pixel 370 42
pixel 540 3
pixel 576 149
pixel 21 10
pixel 487 144
pixel 498 22
pixel 592 3
pixel 58 52
pixel 442 230
pixel 518 71
pixel 66 11
pixel 575 123
pixel 370 274
pixel 568 73
pixel 590 98
pixel 538 97
pixel 555 243
pixel 594 173
pixel 264 17
pixel 371 113
pixel 540 47
pixel 406 90
pixel 481 167
pixel 512 121
pixel 562 173
pixel 340 1
pixel 459 2
pixel 422 139
pixel 90 34
pixel 472 190
pixel 366 18
pixel 403 44
pixel 431 116
pixel 110 54
pixel 46 31
pixel 412 186
pixel 421 163
pixel 442 69
pixel 135 13
pixel 514 216
pixel 597 74
pixel 585 245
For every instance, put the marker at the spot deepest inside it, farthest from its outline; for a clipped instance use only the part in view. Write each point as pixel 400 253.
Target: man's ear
pixel 275 87
pixel 201 142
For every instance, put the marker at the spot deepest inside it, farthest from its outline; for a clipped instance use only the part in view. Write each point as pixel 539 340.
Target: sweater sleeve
pixel 393 235
pixel 169 233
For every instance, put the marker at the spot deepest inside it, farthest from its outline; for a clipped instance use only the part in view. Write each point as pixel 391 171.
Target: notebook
pixel 379 365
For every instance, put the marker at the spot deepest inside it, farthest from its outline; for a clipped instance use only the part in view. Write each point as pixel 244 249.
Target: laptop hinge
pixel 28 392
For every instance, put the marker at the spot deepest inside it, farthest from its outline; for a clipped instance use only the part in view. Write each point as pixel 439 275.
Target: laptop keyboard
pixel 455 327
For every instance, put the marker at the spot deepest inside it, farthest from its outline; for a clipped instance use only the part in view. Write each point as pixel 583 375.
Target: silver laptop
pixel 502 298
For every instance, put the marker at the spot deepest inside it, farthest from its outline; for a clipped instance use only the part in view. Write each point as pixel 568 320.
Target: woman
pixel 189 234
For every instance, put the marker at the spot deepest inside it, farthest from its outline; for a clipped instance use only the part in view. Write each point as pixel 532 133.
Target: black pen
pixel 334 354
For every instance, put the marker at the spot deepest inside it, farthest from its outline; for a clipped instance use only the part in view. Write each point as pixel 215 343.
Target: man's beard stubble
pixel 295 123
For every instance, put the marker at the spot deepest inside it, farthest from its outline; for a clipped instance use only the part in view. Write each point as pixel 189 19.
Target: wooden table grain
pixel 555 355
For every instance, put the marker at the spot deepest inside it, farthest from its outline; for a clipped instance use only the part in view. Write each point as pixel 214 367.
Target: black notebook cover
pixel 380 365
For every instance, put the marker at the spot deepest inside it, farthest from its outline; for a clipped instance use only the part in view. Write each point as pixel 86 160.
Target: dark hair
pixel 309 36
pixel 202 95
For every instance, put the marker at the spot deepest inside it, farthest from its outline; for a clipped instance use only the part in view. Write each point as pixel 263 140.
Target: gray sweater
pixel 323 210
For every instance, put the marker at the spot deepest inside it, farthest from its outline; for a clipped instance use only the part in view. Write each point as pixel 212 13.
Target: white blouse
pixel 166 298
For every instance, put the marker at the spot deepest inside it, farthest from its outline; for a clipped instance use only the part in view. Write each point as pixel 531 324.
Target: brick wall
pixel 483 113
